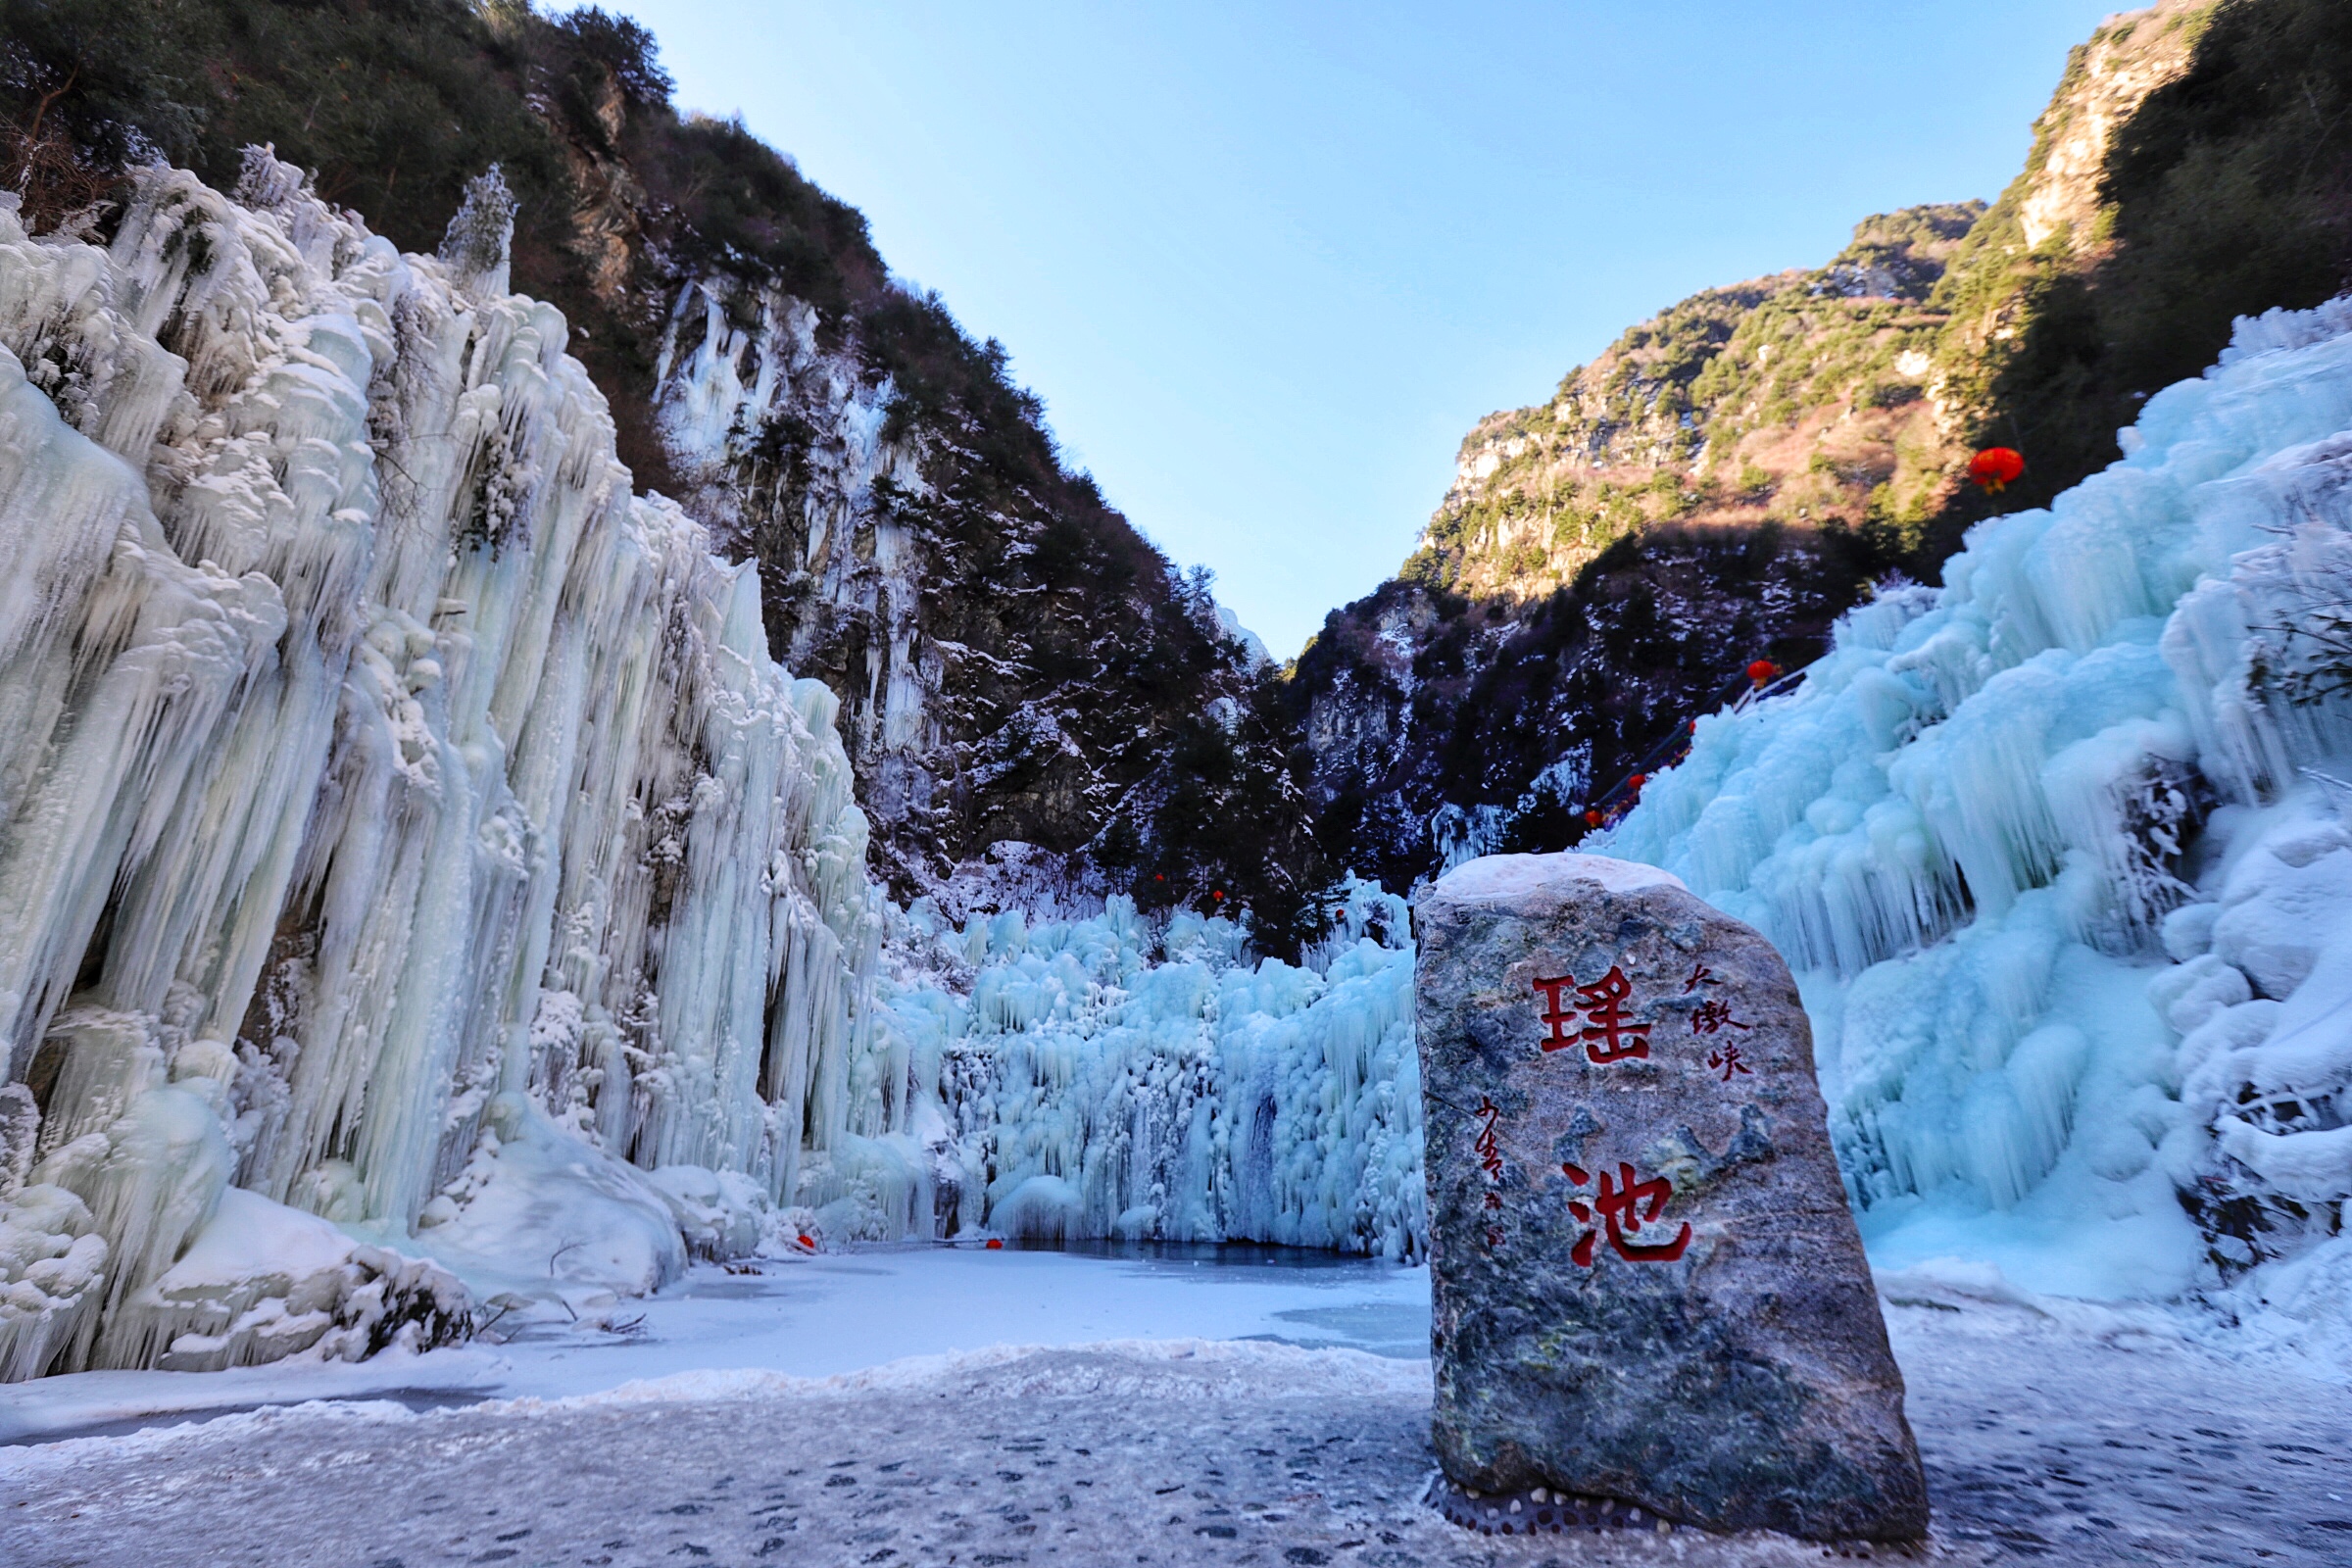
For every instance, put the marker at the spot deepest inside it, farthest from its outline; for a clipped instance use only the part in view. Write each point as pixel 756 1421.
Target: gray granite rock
pixel 1646 1281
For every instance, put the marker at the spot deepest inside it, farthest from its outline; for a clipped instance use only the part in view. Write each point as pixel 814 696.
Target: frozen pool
pixel 815 1318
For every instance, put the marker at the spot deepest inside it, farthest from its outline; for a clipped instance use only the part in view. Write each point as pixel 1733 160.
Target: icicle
pixel 1194 1098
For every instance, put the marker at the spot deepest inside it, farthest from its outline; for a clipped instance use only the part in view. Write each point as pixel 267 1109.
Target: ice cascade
pixel 1103 1079
pixel 405 835
pixel 2054 850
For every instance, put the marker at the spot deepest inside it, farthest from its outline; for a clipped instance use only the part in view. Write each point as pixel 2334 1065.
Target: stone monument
pixel 1650 1299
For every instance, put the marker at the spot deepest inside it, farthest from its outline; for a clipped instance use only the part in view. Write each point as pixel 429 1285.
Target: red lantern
pixel 1995 467
pixel 1635 782
pixel 1592 820
pixel 1762 670
pixel 995 1245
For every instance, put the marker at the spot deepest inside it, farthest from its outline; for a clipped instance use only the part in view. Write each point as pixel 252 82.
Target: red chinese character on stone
pixel 1700 975
pixel 1710 1017
pixel 1493 1200
pixel 1620 1206
pixel 1607 1020
pixel 1493 1235
pixel 1555 1017
pixel 1582 1251
pixel 1730 1058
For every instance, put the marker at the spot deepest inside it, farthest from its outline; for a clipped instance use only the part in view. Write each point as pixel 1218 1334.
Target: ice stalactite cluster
pixel 2053 851
pixel 401 823
pixel 1102 1079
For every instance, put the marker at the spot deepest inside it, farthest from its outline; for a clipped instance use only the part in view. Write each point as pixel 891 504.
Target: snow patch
pixel 1531 881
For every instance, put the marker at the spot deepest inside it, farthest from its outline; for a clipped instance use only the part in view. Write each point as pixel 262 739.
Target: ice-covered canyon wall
pixel 421 894
pixel 382 787
pixel 2060 854
pixel 738 364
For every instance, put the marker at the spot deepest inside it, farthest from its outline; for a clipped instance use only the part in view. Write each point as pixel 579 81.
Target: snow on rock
pixel 2063 1002
pixel 400 821
pixel 261 1280
pixel 535 1212
pixel 719 1214
pixel 1103 1079
pixel 1542 881
pixel 52 1265
pixel 740 372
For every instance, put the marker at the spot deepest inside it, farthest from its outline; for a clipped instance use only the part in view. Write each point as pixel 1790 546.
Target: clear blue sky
pixel 1267 264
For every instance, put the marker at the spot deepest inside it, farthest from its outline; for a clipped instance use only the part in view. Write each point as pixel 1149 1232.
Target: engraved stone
pixel 1646 1282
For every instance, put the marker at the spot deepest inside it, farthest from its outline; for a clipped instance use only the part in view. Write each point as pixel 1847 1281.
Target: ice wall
pixel 1099 1078
pixel 2058 1010
pixel 400 821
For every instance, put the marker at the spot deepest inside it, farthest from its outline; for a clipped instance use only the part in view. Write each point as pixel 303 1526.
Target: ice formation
pixel 420 891
pixel 2055 851
pixel 1106 1079
pixel 421 894
pixel 400 821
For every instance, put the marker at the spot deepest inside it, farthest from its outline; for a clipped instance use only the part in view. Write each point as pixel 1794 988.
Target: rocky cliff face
pixel 1014 660
pixel 1442 728
pixel 1715 488
pixel 2191 170
pixel 1800 397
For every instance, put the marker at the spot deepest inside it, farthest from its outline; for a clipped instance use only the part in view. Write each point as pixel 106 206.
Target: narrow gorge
pixel 543 745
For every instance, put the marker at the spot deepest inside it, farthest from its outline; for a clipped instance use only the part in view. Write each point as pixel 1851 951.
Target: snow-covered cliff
pixel 2062 854
pixel 1014 661
pixel 779 441
pixel 382 787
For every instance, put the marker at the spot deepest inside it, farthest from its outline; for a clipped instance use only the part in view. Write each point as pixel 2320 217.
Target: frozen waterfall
pixel 1106 1079
pixel 401 823
pixel 2055 851
pixel 422 897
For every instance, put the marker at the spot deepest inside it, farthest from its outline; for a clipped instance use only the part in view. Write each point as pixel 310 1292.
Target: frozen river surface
pixel 909 1409
pixel 812 1317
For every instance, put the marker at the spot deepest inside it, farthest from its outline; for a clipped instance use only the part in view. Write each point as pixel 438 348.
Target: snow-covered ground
pixel 1106 1409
